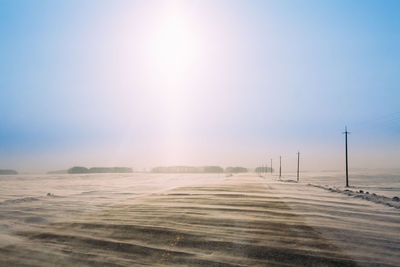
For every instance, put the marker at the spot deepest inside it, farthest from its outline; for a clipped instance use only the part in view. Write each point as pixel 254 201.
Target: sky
pixel 148 83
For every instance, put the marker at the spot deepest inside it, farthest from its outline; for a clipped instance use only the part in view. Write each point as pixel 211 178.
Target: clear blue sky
pixel 143 83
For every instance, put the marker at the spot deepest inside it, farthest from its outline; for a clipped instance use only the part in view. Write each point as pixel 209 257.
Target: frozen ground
pixel 196 220
pixel 381 182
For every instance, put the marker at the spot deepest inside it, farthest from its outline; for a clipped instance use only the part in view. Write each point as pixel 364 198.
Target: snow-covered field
pixel 381 182
pixel 198 220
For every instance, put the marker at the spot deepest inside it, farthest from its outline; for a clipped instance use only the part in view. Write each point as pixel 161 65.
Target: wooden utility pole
pixel 347 160
pixel 280 167
pixel 298 165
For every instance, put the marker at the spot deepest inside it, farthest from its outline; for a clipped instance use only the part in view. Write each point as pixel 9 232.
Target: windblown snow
pixel 199 220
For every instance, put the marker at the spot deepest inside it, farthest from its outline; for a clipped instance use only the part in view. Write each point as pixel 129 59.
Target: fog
pixel 142 84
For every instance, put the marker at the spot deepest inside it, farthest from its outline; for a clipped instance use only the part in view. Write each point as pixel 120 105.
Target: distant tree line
pixel 78 169
pixel 236 169
pixel 194 169
pixel 8 172
pixel 263 169
pixel 188 169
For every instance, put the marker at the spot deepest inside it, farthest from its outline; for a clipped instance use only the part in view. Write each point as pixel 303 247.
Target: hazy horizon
pixel 230 83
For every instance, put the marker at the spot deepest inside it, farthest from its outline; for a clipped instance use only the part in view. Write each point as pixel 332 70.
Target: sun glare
pixel 174 57
pixel 174 47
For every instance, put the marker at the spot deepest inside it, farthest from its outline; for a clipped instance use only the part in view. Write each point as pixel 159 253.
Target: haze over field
pixel 152 83
pixel 150 133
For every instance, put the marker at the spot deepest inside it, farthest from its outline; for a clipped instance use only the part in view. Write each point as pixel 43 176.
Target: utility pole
pixel 298 165
pixel 280 167
pixel 347 160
